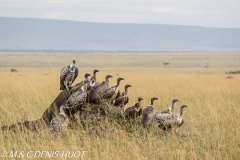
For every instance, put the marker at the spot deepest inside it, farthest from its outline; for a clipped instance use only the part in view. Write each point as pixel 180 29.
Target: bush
pixel 14 70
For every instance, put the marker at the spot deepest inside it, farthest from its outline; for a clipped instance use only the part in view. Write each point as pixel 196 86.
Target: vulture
pixel 68 75
pixel 149 113
pixel 75 101
pixel 173 123
pixel 93 80
pixel 97 92
pixel 79 85
pixel 166 113
pixel 111 93
pixel 134 111
pixel 122 100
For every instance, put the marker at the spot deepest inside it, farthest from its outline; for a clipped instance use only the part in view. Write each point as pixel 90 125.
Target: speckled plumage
pixel 68 75
pixel 173 123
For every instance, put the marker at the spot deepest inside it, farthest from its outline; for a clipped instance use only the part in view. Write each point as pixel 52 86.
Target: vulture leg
pixel 65 84
pixel 122 112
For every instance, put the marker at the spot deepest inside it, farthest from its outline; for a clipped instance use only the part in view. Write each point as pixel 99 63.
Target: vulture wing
pixel 126 100
pixel 76 87
pixel 118 94
pixel 109 93
pixel 139 113
pixel 148 114
pixel 165 111
pixel 119 101
pixel 129 112
pixel 64 73
pixel 75 75
pixel 161 117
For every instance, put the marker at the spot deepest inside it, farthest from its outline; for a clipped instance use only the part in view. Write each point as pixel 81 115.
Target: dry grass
pixel 211 129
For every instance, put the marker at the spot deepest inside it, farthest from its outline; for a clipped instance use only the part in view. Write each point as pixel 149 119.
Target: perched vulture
pixel 122 100
pixel 111 93
pixel 68 75
pixel 173 123
pixel 97 92
pixel 149 113
pixel 93 80
pixel 134 111
pixel 166 113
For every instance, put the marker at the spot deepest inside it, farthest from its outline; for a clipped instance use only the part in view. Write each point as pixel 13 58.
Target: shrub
pixel 14 70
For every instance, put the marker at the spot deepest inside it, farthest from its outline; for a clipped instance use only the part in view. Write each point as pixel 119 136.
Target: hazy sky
pixel 208 13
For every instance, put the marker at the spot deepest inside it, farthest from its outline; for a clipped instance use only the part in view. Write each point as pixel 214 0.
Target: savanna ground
pixel 211 129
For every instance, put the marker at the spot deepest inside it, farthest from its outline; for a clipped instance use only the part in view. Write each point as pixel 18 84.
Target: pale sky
pixel 206 13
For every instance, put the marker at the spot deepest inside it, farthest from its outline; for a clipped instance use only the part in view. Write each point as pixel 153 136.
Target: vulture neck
pixel 62 110
pixel 152 102
pixel 139 103
pixel 118 82
pixel 73 65
pixel 126 91
pixel 172 108
pixel 94 76
pixel 181 111
pixel 106 80
pixel 84 87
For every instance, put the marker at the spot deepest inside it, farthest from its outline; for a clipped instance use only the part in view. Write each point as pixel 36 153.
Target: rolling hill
pixel 18 34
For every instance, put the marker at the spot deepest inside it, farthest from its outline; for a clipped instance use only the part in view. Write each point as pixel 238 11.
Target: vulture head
pixel 87 75
pixel 175 100
pixel 127 85
pixel 95 71
pixel 153 99
pixel 183 106
pixel 181 109
pixel 108 76
pixel 119 79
